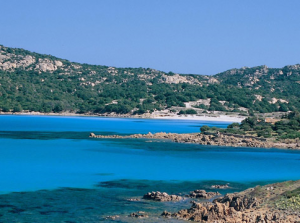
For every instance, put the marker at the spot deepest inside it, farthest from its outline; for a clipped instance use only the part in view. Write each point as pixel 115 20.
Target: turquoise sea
pixel 51 171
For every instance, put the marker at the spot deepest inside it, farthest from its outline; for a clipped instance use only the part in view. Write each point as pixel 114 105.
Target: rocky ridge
pixel 33 82
pixel 203 194
pixel 219 139
pixel 255 76
pixel 11 60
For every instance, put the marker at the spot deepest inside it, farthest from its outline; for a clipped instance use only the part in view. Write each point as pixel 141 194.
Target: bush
pixel 204 128
pixel 139 112
pixel 58 108
pixel 5 109
pixel 181 112
pixel 191 112
pixel 266 133
pixel 202 106
pixel 233 125
pixel 17 108
pixel 188 112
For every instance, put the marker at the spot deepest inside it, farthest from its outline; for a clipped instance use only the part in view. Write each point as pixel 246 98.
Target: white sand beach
pixel 220 118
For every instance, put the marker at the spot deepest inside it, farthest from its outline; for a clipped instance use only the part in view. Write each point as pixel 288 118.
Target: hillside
pixel 44 83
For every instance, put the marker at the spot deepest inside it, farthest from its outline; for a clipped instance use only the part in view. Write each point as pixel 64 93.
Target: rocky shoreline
pixel 273 203
pixel 260 204
pixel 163 196
pixel 219 139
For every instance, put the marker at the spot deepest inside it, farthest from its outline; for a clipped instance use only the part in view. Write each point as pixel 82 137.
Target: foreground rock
pixel 258 204
pixel 218 139
pixel 203 194
pixel 161 196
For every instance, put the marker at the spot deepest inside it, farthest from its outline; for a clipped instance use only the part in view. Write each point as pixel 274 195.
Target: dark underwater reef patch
pixel 175 187
pixel 94 205
pixel 76 205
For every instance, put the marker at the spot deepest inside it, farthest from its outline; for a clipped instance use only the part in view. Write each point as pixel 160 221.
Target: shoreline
pixel 224 118
pixel 217 118
pixel 277 202
pixel 202 203
pixel 219 139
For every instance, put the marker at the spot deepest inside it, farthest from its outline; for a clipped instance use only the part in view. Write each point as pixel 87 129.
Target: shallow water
pixel 40 152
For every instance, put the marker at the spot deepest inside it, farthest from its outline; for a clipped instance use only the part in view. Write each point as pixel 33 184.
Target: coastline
pixel 277 202
pixel 218 118
pixel 88 198
pixel 223 118
pixel 219 139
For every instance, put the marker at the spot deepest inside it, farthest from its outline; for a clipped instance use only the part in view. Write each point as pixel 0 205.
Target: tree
pixel 283 107
pixel 204 128
pixel 233 125
pixel 5 109
pixel 191 112
pixel 17 108
pixel 58 108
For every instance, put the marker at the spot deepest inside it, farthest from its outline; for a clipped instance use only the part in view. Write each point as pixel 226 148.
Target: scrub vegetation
pixel 286 128
pixel 43 83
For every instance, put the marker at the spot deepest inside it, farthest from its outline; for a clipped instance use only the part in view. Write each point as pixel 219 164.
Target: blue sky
pixel 182 36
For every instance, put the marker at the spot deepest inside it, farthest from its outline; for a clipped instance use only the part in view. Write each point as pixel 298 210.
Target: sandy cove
pixel 221 118
pixel 218 118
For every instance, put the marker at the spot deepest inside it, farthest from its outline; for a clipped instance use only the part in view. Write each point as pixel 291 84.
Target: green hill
pixel 35 82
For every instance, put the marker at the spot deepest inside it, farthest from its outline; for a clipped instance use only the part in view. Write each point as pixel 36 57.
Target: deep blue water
pixel 40 152
pixel 55 153
pixel 100 124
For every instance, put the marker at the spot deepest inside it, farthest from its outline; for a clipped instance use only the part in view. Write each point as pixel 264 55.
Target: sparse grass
pixel 292 203
pixel 293 193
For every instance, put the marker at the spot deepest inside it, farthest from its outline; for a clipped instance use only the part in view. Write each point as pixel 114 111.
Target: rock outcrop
pixel 203 194
pixel 238 202
pixel 224 213
pixel 176 79
pixel 250 206
pixel 46 65
pixel 219 139
pixel 161 196
pixel 11 61
pixel 220 186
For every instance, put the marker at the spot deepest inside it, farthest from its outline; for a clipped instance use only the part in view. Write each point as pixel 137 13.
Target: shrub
pixel 204 128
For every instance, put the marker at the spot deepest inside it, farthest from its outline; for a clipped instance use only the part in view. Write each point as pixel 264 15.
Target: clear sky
pixel 182 36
